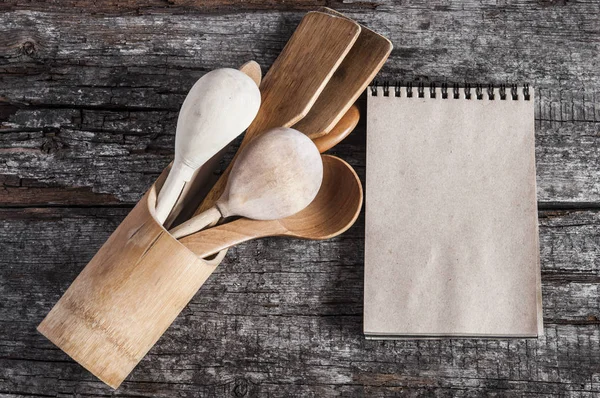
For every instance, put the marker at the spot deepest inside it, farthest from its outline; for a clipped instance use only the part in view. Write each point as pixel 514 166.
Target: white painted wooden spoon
pixel 218 108
pixel 275 176
pixel 195 190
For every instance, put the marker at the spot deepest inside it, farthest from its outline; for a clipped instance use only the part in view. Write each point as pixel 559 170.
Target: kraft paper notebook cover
pixel 451 214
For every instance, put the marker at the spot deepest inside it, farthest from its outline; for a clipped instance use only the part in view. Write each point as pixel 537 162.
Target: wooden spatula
pixel 357 70
pixel 296 79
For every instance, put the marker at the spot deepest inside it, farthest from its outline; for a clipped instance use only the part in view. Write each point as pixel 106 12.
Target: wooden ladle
pixel 276 175
pixel 332 212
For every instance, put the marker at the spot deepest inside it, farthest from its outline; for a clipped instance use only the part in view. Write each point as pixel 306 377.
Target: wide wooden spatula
pixel 296 79
pixel 357 70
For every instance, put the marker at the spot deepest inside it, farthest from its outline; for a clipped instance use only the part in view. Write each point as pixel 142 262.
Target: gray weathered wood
pixel 284 316
pixel 89 93
pixel 117 90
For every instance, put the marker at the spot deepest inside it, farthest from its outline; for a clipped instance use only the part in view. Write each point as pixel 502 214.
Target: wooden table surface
pixel 89 94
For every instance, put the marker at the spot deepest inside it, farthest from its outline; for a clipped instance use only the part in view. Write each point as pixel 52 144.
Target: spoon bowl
pixel 295 80
pixel 332 212
pixel 276 175
pixel 335 207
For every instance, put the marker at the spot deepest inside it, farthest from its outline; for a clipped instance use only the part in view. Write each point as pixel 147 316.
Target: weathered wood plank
pixel 466 40
pixel 260 357
pixel 149 60
pixel 100 103
pixel 311 271
pixel 90 157
pixel 283 317
pixel 183 6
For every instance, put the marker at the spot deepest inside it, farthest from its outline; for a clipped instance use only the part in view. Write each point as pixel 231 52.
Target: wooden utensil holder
pixel 127 295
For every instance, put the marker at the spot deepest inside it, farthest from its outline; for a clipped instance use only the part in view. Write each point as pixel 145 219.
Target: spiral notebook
pixel 451 242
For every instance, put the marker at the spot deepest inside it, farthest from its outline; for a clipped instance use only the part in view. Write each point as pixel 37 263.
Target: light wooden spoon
pixel 332 212
pixel 200 183
pixel 252 69
pixel 218 108
pixel 197 186
pixel 275 176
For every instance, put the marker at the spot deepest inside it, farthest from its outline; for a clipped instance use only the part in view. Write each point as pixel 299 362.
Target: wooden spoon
pixel 275 176
pixel 252 69
pixel 297 77
pixel 200 183
pixel 323 144
pixel 332 212
pixel 341 130
pixel 218 108
pixel 357 70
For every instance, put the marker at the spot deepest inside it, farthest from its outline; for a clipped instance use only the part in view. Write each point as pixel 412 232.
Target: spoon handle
pixel 171 189
pixel 197 223
pixel 213 240
pixel 168 196
pixel 341 130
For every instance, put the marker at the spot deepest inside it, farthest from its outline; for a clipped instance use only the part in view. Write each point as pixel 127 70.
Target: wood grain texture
pixel 357 70
pixel 279 324
pixel 87 124
pixel 127 295
pixel 184 6
pixel 97 110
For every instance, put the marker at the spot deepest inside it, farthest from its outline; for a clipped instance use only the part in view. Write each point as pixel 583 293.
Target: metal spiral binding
pixel 512 91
